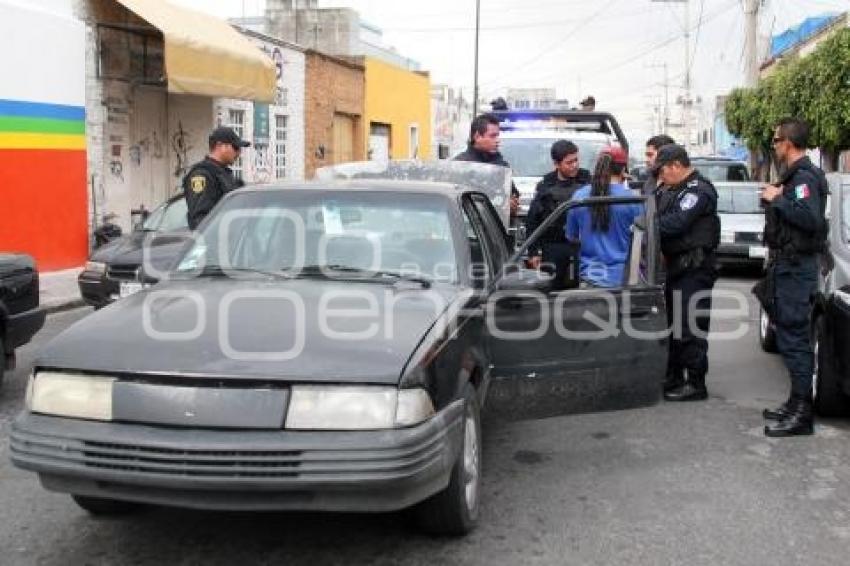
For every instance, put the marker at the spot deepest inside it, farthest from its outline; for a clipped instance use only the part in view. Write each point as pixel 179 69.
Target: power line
pixel 554 44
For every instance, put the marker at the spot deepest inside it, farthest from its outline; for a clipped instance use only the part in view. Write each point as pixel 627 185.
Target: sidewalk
pixel 58 290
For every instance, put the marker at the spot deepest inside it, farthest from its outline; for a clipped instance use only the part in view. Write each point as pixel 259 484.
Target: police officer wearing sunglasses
pixel 795 231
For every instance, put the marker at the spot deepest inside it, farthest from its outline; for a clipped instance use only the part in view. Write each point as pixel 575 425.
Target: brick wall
pixel 333 86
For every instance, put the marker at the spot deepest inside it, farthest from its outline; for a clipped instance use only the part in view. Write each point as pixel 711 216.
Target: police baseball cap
pixel 617 153
pixel 669 154
pixel 224 134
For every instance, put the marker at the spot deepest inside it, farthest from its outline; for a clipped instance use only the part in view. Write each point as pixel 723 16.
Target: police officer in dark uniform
pixel 795 231
pixel 483 147
pixel 690 233
pixel 553 252
pixel 210 179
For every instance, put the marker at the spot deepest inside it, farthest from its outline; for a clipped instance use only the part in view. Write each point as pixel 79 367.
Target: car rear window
pixel 722 172
pixel 738 200
pixel 530 157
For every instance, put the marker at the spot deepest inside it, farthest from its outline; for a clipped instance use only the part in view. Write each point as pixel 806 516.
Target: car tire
pixel 454 511
pixel 101 507
pixel 767 332
pixel 829 398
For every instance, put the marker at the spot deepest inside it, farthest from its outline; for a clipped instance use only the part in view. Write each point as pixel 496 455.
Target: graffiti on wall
pixel 147 147
pixel 181 144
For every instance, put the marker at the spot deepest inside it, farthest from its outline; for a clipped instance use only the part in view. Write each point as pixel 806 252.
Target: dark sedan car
pixel 330 347
pixel 20 314
pixel 116 270
pixel 830 314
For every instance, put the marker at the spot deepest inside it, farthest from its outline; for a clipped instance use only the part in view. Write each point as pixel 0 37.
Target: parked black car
pixel 830 313
pixel 224 387
pixel 20 314
pixel 115 270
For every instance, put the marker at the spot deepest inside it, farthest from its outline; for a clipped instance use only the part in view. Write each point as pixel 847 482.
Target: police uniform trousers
pixel 795 283
pixel 689 344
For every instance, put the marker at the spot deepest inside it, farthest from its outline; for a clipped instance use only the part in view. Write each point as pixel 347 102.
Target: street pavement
pixel 688 484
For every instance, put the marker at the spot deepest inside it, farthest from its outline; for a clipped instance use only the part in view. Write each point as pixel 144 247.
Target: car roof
pixel 365 185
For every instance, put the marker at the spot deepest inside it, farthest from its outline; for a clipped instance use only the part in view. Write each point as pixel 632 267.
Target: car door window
pixel 174 217
pixel 480 269
pixel 494 231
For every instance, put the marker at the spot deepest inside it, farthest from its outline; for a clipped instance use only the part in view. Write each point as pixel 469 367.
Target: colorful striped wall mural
pixel 43 188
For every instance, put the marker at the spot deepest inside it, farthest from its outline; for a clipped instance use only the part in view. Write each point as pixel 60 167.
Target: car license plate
pixel 758 251
pixel 128 288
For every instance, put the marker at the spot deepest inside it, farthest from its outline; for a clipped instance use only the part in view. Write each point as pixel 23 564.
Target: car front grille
pixel 126 271
pixel 200 463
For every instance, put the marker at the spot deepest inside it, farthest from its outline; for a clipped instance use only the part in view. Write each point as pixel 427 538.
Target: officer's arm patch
pixel 802 191
pixel 688 201
pixel 198 183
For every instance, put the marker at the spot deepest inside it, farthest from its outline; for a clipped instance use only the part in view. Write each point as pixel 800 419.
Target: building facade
pixel 333 108
pixel 276 130
pixel 44 192
pixel 451 115
pixel 397 112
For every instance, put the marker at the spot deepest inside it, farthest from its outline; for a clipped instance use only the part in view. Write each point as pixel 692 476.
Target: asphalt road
pixel 672 484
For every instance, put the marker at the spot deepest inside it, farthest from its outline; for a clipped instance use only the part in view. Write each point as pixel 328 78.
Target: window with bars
pixel 280 124
pixel 236 120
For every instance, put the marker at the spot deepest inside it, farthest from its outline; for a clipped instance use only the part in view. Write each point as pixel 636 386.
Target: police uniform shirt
pixel 203 186
pixel 802 203
pixel 688 216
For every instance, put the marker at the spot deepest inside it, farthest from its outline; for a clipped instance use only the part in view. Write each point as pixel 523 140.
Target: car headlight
pixel 70 395
pixel 95 267
pixel 319 407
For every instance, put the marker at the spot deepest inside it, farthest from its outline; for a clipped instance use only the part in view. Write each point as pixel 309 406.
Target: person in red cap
pixel 603 230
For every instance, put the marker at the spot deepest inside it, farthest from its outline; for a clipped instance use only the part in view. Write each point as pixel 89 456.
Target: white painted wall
pixel 52 73
pixel 259 168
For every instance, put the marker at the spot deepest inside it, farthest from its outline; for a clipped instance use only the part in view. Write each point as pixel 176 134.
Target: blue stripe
pixel 41 110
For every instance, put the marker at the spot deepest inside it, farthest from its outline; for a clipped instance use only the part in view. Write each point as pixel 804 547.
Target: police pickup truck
pixel 528 135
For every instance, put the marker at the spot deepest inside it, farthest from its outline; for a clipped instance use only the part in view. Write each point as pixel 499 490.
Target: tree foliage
pixel 815 87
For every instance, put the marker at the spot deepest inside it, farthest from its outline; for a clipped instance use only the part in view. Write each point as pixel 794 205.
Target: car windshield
pixel 529 157
pixel 167 217
pixel 297 232
pixel 722 172
pixel 738 200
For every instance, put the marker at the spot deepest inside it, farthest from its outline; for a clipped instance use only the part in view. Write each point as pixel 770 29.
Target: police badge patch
pixel 688 201
pixel 199 183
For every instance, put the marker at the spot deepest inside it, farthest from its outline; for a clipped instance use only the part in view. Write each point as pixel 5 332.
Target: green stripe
pixel 41 125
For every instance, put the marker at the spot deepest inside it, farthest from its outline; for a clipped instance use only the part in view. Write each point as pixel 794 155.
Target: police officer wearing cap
pixel 690 233
pixel 553 250
pixel 210 179
pixel 795 231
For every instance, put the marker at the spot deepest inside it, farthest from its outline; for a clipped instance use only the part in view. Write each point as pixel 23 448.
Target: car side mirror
pixel 525 280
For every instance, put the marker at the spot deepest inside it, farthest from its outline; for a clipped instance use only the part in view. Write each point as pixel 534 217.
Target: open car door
pixel 577 350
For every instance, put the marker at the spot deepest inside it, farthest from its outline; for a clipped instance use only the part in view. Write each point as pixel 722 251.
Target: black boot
pixel 692 390
pixel 800 420
pixel 780 412
pixel 674 379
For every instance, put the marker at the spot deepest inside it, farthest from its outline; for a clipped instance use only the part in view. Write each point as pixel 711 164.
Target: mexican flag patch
pixel 802 191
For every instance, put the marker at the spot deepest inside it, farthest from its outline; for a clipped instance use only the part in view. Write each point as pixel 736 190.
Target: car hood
pixel 741 222
pixel 163 247
pixel 121 338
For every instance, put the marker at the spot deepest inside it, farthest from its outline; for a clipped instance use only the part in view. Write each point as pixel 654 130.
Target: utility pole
pixel 477 30
pixel 666 112
pixel 751 55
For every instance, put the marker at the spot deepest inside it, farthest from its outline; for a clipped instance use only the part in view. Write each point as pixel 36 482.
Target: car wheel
pixel 454 511
pixel 829 398
pixel 101 507
pixel 767 332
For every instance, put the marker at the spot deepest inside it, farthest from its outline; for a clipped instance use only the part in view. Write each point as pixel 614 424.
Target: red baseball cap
pixel 617 153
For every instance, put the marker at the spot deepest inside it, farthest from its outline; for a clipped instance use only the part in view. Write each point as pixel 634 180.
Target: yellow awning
pixel 205 55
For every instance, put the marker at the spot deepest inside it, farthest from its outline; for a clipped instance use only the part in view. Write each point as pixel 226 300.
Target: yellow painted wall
pixel 400 98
